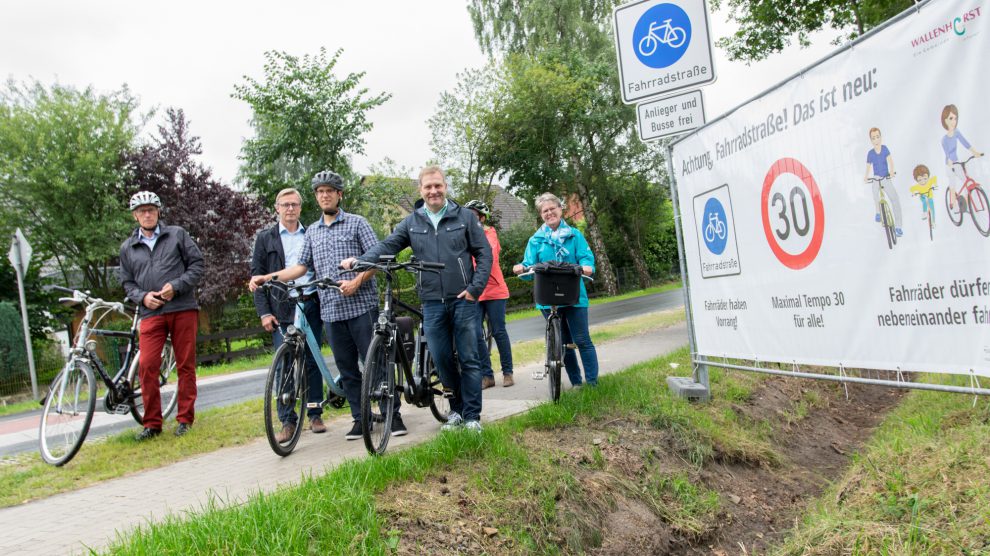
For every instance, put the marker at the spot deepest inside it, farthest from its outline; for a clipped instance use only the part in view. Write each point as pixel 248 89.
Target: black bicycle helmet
pixel 142 198
pixel 328 177
pixel 479 206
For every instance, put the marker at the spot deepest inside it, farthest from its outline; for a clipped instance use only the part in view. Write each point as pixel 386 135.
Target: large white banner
pixel 797 252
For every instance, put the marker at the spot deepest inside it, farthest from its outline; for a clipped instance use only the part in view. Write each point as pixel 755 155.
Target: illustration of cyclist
pixel 924 187
pixel 950 146
pixel 880 164
pixel 715 228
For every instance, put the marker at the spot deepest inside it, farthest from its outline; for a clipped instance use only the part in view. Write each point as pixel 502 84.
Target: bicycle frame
pixel 302 332
pixel 969 184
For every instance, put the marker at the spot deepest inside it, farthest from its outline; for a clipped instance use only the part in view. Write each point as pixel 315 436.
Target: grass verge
pixel 535 499
pixel 919 487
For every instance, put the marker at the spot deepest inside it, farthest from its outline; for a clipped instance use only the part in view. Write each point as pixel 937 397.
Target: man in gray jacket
pixel 441 231
pixel 160 267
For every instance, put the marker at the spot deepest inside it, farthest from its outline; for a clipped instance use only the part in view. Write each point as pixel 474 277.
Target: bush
pixel 13 355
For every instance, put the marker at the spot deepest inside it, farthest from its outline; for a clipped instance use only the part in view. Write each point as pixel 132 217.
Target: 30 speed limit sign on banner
pixel 842 217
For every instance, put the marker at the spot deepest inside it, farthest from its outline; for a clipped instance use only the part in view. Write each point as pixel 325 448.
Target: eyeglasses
pixel 325 192
pixel 290 205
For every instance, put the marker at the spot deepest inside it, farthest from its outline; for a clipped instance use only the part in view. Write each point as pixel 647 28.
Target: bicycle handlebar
pixel 388 264
pixel 322 284
pixel 84 297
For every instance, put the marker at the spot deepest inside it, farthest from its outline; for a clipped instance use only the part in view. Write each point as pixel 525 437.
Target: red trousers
pixel 182 325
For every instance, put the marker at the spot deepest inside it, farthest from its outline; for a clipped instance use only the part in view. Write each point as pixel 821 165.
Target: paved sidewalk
pixel 71 522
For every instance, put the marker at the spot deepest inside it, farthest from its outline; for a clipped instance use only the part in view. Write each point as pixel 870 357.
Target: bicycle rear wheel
pixel 439 405
pixel 285 398
pixel 555 357
pixel 955 214
pixel 167 384
pixel 378 396
pixel 68 413
pixel 979 209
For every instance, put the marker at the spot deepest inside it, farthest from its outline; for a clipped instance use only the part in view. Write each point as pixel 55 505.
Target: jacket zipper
pixel 460 263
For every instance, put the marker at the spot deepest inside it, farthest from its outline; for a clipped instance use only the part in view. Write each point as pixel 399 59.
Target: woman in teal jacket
pixel 556 241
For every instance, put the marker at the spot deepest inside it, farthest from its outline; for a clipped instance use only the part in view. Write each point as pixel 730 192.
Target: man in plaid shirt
pixel 349 316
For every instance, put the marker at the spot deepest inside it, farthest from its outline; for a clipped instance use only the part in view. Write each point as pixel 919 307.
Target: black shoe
pixel 357 431
pixel 182 429
pixel 147 434
pixel 398 427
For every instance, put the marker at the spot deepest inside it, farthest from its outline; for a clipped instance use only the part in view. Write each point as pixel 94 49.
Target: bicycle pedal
pixel 121 409
pixel 449 394
pixel 314 405
pixel 570 346
pixel 538 376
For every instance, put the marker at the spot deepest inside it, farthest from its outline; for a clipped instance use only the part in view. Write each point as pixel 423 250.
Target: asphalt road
pixel 227 390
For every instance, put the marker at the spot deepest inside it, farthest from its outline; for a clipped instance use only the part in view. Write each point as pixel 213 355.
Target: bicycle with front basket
pixel 971 198
pixel 71 400
pixel 286 386
pixel 398 361
pixel 556 284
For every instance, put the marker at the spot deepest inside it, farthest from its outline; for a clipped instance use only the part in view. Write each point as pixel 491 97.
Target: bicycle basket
pixel 556 283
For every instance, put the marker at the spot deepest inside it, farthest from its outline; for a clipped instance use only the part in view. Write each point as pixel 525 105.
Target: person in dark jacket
pixel 442 231
pixel 160 267
pixel 276 248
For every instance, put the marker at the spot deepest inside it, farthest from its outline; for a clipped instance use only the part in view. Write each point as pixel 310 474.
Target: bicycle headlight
pixel 382 320
pixel 291 330
pixel 91 345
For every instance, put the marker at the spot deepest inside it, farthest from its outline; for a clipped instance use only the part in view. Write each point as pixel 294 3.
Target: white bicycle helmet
pixel 142 198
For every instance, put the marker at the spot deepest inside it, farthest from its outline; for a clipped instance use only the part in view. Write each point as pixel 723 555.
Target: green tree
pixel 533 25
pixel 306 119
pixel 768 26
pixel 62 175
pixel 383 196
pixel 459 134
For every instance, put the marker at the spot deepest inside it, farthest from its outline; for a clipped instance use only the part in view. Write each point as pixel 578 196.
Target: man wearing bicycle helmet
pixel 444 232
pixel 274 249
pixel 160 267
pixel 349 315
pixel 491 304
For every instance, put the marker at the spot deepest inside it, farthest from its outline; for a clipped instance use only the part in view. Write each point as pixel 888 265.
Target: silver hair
pixel 547 198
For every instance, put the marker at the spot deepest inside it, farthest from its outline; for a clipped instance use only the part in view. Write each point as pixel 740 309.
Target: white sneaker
pixel 473 426
pixel 454 422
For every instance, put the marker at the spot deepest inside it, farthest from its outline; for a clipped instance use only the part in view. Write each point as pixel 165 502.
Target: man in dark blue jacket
pixel 160 267
pixel 276 248
pixel 441 231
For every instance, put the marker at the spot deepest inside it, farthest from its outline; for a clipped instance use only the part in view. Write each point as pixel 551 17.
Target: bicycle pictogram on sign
pixel 662 35
pixel 715 226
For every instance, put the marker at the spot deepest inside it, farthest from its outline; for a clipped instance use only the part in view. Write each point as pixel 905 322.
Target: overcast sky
pixel 191 54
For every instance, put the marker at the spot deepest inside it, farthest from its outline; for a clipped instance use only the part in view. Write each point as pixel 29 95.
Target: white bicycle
pixel 661 33
pixel 714 228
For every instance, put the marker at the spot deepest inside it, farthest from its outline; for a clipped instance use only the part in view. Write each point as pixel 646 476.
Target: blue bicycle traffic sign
pixel 662 35
pixel 714 226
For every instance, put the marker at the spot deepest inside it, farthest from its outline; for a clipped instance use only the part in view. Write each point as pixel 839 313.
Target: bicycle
pixel 71 400
pixel 975 201
pixel 286 383
pixel 398 361
pixel 672 36
pixel 714 228
pixel 929 194
pixel 886 214
pixel 556 284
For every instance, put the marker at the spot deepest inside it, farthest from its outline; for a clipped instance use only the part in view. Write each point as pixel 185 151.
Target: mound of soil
pixel 453 512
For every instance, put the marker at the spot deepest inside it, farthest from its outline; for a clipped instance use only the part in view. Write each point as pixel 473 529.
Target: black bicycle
pixel 556 284
pixel 398 361
pixel 71 400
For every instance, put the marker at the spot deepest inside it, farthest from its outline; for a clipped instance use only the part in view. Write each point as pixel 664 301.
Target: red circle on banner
pixel 804 258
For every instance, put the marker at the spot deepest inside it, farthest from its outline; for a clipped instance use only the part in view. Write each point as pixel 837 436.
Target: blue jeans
pixel 574 330
pixel 349 340
pixel 495 309
pixel 447 323
pixel 314 380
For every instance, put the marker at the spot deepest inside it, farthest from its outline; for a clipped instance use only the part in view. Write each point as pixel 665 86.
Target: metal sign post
pixel 20 257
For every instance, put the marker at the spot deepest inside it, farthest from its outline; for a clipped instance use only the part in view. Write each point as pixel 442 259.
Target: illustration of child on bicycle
pixel 950 146
pixel 924 188
pixel 880 166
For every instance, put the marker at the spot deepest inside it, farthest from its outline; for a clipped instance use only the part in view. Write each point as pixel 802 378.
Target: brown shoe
pixel 316 425
pixel 286 433
pixel 507 381
pixel 487 382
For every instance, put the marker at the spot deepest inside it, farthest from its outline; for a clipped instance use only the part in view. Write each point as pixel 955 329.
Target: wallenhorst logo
pixel 956 25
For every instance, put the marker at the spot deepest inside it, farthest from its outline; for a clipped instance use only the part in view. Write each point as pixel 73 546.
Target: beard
pixel 331 211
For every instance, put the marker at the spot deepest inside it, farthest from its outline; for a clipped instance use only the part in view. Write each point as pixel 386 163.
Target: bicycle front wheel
pixel 555 358
pixel 378 396
pixel 955 212
pixel 68 413
pixel 980 210
pixel 167 384
pixel 285 398
pixel 887 219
